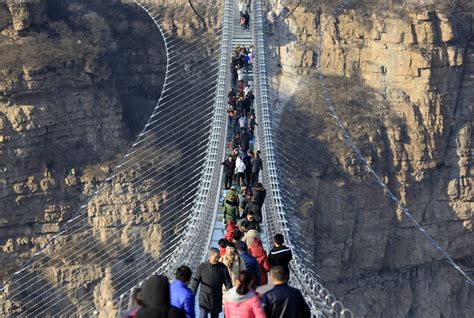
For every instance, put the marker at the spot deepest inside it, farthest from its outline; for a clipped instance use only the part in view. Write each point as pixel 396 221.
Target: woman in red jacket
pixel 256 250
pixel 241 301
pixel 231 228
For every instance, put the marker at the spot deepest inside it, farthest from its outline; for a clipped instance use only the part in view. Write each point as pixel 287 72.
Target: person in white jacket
pixel 242 6
pixel 240 74
pixel 240 170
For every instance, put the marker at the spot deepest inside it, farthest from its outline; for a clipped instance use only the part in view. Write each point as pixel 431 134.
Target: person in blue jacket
pixel 181 296
pixel 250 262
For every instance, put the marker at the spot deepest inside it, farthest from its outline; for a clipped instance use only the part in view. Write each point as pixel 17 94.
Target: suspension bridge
pixel 171 185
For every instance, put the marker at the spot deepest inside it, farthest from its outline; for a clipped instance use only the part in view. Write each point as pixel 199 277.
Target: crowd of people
pixel 239 277
pixel 233 280
pixel 242 164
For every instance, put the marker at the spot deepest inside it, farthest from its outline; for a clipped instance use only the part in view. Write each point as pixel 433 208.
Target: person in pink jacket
pixel 241 301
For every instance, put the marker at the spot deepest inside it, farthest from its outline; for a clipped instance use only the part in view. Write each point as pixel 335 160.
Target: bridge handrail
pixel 190 250
pixel 274 212
pixel 207 201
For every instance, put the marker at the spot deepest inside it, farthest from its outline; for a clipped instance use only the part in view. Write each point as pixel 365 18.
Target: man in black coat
pixel 280 255
pixel 236 141
pixel 229 167
pixel 283 301
pixel 212 275
pixel 256 167
pixel 248 167
pixel 247 104
pixel 244 142
pixel 253 206
pixel 260 192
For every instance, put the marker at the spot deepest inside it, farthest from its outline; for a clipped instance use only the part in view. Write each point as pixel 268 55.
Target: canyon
pixel 79 80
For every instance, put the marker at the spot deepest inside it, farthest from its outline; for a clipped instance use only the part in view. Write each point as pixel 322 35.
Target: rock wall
pixel 78 81
pixel 401 77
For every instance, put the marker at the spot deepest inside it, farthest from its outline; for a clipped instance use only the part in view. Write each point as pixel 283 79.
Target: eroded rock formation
pixel 401 78
pixel 78 81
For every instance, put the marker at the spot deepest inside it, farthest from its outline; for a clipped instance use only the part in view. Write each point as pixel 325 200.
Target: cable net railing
pixel 135 223
pixel 192 250
pixel 289 170
pixel 157 210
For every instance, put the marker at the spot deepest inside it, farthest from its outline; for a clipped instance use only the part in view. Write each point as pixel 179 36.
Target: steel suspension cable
pixel 369 169
pixel 109 177
pixel 124 189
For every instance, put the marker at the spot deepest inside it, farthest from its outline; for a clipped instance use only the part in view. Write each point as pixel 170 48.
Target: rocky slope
pixel 78 80
pixel 401 77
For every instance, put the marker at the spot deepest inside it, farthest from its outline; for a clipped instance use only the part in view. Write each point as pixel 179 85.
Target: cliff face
pixel 78 80
pixel 402 81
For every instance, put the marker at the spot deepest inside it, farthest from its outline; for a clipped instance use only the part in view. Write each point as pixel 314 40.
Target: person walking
pixel 254 207
pixel 247 105
pixel 233 262
pixel 247 87
pixel 244 142
pixel 240 74
pixel 222 245
pixel 236 122
pixel 232 93
pixel 256 250
pixel 236 141
pixel 231 209
pixel 250 263
pixel 231 194
pixel 181 296
pixel 252 124
pixel 246 20
pixel 241 301
pixel 212 276
pixel 250 217
pixel 243 124
pixel 137 303
pixel 251 57
pixel 260 194
pixel 229 167
pixel 257 165
pixel 230 113
pixel 240 169
pixel 251 234
pixel 156 300
pixel 250 94
pixel 280 255
pixel 283 301
pixel 240 105
pixel 242 5
pixel 248 5
pixel 248 167
pixel 244 199
pixel 230 230
pixel 237 236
